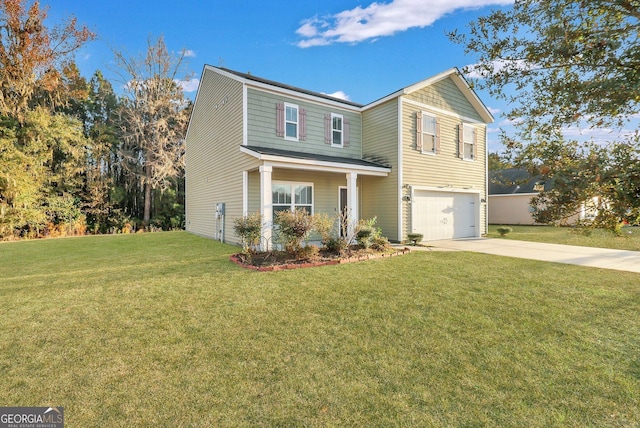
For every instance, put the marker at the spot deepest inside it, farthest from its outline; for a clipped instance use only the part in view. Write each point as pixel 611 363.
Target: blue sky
pixel 362 50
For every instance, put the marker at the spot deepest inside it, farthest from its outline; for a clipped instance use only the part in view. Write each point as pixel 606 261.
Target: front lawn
pixel 630 239
pixel 162 330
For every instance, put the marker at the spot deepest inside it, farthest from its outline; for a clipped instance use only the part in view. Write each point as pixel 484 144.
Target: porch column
pixel 266 206
pixel 352 202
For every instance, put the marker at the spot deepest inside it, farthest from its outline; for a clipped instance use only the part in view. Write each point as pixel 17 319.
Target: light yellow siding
pixel 214 163
pixel 380 144
pixel 447 96
pixel 445 169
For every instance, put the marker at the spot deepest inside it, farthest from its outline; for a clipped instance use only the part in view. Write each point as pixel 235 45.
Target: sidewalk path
pixel 569 254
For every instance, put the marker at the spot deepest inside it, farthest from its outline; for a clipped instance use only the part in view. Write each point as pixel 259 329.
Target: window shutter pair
pixel 328 130
pixel 461 142
pixel 302 122
pixel 419 130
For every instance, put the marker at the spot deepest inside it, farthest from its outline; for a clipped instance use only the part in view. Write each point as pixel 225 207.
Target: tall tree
pixel 33 57
pixel 563 63
pixel 154 117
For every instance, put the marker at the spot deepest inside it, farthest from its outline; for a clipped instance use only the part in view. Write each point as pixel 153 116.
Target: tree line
pixel 75 156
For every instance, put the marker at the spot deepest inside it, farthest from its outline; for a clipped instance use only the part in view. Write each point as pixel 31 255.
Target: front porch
pixel 294 180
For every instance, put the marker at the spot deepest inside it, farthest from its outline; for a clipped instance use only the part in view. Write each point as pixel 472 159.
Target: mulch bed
pixel 279 260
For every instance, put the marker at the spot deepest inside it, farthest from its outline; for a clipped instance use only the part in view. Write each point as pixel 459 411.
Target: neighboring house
pixel 415 159
pixel 510 193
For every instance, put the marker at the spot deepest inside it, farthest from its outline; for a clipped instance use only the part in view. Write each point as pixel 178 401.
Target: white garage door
pixel 444 215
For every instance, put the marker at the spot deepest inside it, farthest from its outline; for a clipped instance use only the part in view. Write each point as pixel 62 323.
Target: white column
pixel 352 202
pixel 266 205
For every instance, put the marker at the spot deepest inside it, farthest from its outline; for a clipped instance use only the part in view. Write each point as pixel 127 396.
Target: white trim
pixel 297 122
pixel 293 197
pixel 400 171
pixel 436 110
pixel 514 194
pixel 316 165
pixel 336 115
pixel 245 116
pixel 245 193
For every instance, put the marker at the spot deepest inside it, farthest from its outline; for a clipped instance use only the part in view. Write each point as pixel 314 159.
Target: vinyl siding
pixel 261 112
pixel 445 169
pixel 380 144
pixel 213 160
pixel 445 95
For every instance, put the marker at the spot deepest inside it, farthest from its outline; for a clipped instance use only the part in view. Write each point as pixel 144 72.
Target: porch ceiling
pixel 312 161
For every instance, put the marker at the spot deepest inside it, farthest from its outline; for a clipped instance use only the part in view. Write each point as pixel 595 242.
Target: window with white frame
pixel 428 133
pixel 291 121
pixel 292 196
pixel 468 142
pixel 336 130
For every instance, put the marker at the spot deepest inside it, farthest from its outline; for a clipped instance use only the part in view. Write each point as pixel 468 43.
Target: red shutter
pixel 345 133
pixel 327 128
pixel 280 119
pixel 461 141
pixel 303 124
pixel 437 142
pixel 419 131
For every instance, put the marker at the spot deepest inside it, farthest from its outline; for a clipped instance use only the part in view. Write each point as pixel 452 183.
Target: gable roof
pixel 452 73
pixel 516 181
pixel 459 80
pixel 259 81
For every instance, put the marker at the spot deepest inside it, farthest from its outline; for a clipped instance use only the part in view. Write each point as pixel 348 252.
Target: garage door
pixel 444 215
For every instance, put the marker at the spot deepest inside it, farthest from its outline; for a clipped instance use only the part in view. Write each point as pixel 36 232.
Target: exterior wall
pixel 445 169
pixel 447 96
pixel 261 125
pixel 380 144
pixel 213 160
pixel 510 209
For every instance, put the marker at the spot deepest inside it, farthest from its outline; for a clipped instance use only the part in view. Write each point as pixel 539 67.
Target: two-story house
pixel 415 159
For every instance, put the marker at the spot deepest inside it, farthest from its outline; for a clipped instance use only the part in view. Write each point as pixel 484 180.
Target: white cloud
pixel 339 94
pixel 476 71
pixel 494 111
pixel 188 53
pixel 380 19
pixel 189 85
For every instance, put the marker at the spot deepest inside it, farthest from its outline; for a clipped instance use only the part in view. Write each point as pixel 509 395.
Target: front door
pixel 342 206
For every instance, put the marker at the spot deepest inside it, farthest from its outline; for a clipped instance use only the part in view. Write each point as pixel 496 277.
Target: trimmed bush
pixel 504 230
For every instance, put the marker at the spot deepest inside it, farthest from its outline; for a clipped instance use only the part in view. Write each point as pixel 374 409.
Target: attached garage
pixel 445 214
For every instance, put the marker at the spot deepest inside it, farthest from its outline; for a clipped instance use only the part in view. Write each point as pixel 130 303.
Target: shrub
pixel 504 230
pixel 309 252
pixel 293 227
pixel 249 229
pixel 324 225
pixel 380 243
pixel 415 237
pixel 366 232
pixel 337 245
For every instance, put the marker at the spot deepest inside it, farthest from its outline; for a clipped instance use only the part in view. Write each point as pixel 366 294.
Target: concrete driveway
pixel 569 254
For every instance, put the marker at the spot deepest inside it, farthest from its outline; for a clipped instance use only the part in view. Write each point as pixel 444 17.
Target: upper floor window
pixel 336 130
pixel 291 121
pixel 468 145
pixel 428 133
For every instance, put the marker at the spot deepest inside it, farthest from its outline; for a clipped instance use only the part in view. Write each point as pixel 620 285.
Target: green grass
pixel 630 239
pixel 162 330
